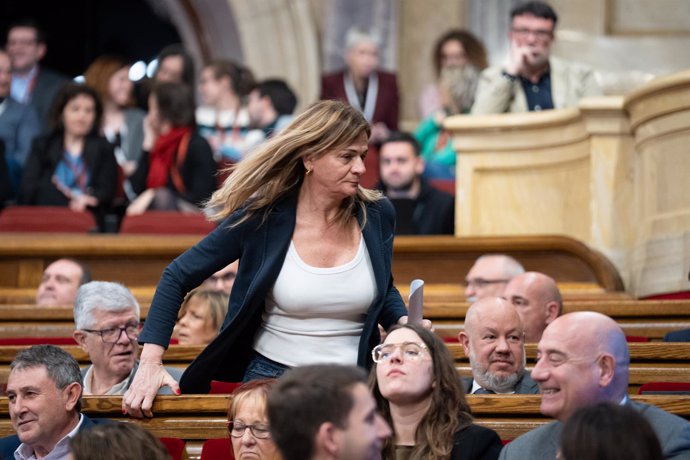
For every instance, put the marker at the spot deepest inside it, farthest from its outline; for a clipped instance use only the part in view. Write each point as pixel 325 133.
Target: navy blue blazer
pixel 10 443
pixel 261 244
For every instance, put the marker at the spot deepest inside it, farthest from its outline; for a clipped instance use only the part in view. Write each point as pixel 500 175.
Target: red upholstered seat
pixel 636 338
pixel 223 388
pixel 45 219
pixel 175 447
pixel 38 341
pixel 167 223
pixel 217 449
pixel 673 388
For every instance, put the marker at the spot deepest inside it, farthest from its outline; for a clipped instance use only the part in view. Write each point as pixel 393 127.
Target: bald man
pixel 584 360
pixel 489 276
pixel 494 342
pixel 60 283
pixel 537 300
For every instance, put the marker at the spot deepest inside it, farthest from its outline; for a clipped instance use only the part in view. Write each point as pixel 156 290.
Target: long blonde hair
pixel 276 167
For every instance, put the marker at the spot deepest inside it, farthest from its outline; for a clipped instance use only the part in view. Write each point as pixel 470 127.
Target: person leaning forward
pixel 307 234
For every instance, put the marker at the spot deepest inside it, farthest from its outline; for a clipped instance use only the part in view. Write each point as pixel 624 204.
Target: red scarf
pixel 162 156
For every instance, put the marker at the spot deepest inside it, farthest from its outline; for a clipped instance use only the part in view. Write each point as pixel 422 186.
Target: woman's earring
pixel 309 170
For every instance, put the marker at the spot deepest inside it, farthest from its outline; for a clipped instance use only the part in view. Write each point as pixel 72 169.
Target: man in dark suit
pixel 31 83
pixel 584 360
pixel 494 342
pixel 44 398
pixel 420 209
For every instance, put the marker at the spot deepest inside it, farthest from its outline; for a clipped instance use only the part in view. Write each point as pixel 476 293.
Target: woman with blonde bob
pixel 418 392
pixel 248 427
pixel 316 250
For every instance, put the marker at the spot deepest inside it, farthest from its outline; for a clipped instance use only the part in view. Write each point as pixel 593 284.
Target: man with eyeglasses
pixel 106 317
pixel 223 279
pixel 489 276
pixel 31 83
pixel 533 80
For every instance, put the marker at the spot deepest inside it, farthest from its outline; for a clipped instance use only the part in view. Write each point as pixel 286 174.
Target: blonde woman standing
pixel 316 250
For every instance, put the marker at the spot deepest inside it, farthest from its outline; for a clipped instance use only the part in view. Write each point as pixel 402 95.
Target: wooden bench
pixel 195 418
pixel 138 260
pixel 650 362
pixel 646 318
pixel 176 356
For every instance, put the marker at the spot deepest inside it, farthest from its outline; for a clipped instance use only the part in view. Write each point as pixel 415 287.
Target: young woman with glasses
pixel 418 392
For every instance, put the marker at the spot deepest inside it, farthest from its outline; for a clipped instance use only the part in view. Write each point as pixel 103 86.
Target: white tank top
pixel 316 315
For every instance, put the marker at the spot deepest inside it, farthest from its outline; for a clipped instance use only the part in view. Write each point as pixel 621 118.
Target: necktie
pixel 484 391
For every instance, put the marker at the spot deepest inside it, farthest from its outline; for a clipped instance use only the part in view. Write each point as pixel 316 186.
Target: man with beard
pixel 420 209
pixel 106 317
pixel 494 341
pixel 532 79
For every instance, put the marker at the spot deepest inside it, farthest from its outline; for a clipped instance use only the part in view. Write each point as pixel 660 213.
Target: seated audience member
pixel 494 342
pixel 325 412
pixel 453 50
pixel 223 120
pixel 106 320
pixel 44 401
pixel 32 83
pixel 420 209
pixel 608 431
pixel 72 166
pixel 537 300
pixel 117 441
pixel 60 282
pixel 223 280
pixel 176 170
pixel 248 422
pixel 458 72
pixel 270 106
pixel 173 65
pixel 532 79
pixel 489 276
pixel 361 84
pixel 415 384
pixel 19 125
pixel 201 315
pixel 583 359
pixel 123 124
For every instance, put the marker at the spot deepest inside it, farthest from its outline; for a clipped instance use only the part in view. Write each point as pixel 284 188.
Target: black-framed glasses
pixel 412 351
pixel 481 282
pixel 237 428
pixel 540 34
pixel 112 334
